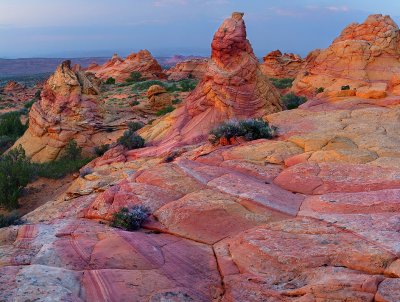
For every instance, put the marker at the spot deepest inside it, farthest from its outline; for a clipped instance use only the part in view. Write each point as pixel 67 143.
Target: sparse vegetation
pixel 135 103
pixel 100 150
pixel 345 87
pixel 110 81
pixel 143 86
pixel 71 161
pixel 282 83
pixel 292 101
pixel 11 128
pixel 135 77
pixel 176 101
pixel 130 139
pixel 29 104
pixel 15 174
pixel 188 84
pixel 320 89
pixel 249 129
pixel 9 219
pixel 165 110
pixel 130 219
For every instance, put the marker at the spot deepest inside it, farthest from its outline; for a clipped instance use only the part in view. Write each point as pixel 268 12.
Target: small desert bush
pixel 9 219
pixel 345 87
pixel 292 101
pixel 11 126
pixel 130 219
pixel 145 85
pixel 15 174
pixel 29 104
pixel 110 81
pixel 282 83
pixel 249 129
pixel 130 139
pixel 176 101
pixel 135 103
pixel 100 150
pixel 188 84
pixel 70 161
pixel 134 77
pixel 6 142
pixel 165 110
pixel 135 126
pixel 320 89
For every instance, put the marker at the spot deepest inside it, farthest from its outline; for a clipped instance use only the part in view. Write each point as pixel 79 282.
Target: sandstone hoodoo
pixel 233 86
pixel 278 65
pixel 119 69
pixel 13 87
pixel 158 97
pixel 188 69
pixel 365 58
pixel 67 110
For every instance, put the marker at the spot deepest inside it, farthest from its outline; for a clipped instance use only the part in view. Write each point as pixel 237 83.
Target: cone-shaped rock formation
pixel 233 87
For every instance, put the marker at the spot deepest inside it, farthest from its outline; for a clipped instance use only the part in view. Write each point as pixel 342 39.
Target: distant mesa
pixel 233 86
pixel 67 110
pixel 121 69
pixel 278 65
pixel 365 57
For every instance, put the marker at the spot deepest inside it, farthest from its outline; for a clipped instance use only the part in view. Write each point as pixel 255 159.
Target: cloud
pixel 162 3
pixel 343 8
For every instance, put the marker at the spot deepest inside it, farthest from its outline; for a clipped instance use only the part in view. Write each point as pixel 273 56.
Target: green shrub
pixel 72 151
pixel 320 89
pixel 130 139
pixel 173 88
pixel 29 104
pixel 37 94
pixel 11 126
pixel 135 103
pixel 165 110
pixel 188 84
pixel 282 83
pixel 292 101
pixel 135 126
pixel 110 81
pixel 176 101
pixel 100 150
pixel 346 87
pixel 130 219
pixel 145 85
pixel 15 174
pixel 70 161
pixel 134 77
pixel 6 142
pixel 9 219
pixel 249 129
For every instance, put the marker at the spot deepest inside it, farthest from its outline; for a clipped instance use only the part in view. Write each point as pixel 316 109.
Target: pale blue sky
pixel 32 28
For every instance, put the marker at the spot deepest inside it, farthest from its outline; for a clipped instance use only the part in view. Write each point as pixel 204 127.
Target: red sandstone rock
pixel 278 65
pixel 121 69
pixel 365 56
pixel 333 177
pixel 158 97
pixel 188 69
pixel 66 111
pixel 13 87
pixel 232 87
pixel 389 291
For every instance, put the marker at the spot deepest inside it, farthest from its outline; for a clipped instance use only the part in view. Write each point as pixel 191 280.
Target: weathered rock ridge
pixel 233 86
pixel 194 68
pixel 121 69
pixel 278 65
pixel 365 56
pixel 67 110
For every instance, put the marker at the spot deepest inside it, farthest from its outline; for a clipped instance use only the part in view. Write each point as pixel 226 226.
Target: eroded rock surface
pixel 188 69
pixel 365 56
pixel 233 86
pixel 121 69
pixel 278 65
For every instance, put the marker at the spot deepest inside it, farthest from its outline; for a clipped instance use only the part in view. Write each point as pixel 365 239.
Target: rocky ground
pixel 311 215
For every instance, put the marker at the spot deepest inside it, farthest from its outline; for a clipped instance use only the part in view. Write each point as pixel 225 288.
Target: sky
pixel 83 28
